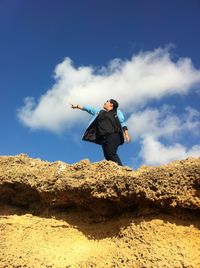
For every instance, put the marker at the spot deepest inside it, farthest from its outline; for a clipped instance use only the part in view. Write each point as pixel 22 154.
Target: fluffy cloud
pixel 163 123
pixel 152 125
pixel 147 76
pixel 154 152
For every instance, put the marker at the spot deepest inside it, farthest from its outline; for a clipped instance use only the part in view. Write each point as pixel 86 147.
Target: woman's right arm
pixel 88 109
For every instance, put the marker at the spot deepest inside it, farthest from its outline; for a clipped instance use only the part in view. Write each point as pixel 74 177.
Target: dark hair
pixel 114 103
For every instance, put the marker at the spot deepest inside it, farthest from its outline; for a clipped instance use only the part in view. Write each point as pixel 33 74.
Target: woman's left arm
pixel 124 127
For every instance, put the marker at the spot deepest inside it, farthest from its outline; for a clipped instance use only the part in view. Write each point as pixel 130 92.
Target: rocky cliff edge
pixel 103 187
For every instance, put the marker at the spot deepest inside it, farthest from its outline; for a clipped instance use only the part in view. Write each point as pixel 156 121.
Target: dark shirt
pixel 107 123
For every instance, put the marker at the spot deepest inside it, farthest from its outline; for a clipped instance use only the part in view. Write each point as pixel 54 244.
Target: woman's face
pixel 108 105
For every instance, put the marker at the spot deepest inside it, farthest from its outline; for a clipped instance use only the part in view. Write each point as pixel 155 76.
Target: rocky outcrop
pixel 103 187
pixel 43 223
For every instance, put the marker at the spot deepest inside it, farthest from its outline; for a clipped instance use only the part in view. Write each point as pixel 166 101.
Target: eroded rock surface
pixel 103 187
pixel 56 215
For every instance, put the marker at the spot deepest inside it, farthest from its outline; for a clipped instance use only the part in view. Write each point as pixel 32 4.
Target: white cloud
pixel 163 123
pixel 148 75
pixel 152 125
pixel 155 153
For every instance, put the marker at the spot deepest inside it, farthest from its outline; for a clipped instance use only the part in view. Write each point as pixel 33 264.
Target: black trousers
pixel 110 145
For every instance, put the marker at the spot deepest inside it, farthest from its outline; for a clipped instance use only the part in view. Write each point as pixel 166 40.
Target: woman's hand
pixel 127 137
pixel 76 106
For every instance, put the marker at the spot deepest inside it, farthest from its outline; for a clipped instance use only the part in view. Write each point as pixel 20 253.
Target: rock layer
pixel 43 223
pixel 103 187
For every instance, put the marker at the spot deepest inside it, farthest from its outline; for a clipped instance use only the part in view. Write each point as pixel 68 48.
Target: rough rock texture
pixel 103 187
pixel 98 215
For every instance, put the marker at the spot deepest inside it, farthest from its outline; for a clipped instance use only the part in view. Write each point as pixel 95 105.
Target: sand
pixel 77 238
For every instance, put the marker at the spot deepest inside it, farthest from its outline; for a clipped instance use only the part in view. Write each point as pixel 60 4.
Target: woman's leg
pixel 110 146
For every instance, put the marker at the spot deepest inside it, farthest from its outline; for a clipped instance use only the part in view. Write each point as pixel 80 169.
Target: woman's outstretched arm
pixel 76 106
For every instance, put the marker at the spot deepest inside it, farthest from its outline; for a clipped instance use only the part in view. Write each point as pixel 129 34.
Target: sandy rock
pixel 104 187
pixel 98 214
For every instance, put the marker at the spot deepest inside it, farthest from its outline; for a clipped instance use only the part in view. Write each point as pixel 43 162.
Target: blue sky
pixel 145 54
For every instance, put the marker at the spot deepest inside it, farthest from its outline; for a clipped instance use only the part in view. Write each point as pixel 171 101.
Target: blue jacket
pixel 90 133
